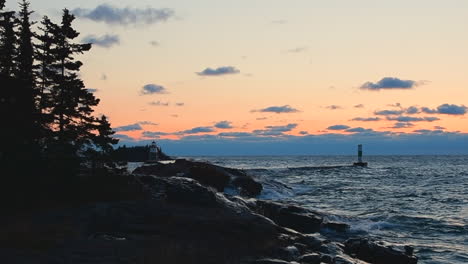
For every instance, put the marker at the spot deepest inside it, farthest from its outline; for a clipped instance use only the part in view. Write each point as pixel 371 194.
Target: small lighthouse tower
pixel 360 163
pixel 153 152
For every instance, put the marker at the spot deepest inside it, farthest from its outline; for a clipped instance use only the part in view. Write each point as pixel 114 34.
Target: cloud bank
pixel 112 15
pixel 106 41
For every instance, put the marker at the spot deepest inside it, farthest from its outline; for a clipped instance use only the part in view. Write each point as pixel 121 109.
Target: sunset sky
pixel 276 76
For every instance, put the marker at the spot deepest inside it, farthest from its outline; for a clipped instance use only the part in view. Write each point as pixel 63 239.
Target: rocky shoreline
pixel 182 215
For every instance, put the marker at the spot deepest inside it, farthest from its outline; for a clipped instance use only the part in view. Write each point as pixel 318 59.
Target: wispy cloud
pixel 402 125
pixel 224 125
pixel 366 119
pixel 159 103
pixel 297 50
pixel 338 127
pixel 224 70
pixel 275 130
pixel 359 106
pixel 132 127
pixel 153 89
pixel 278 109
pixel 197 130
pixel 412 119
pixel 106 41
pixel 334 107
pixel 113 15
pixel 389 112
pixel 154 43
pixel 389 83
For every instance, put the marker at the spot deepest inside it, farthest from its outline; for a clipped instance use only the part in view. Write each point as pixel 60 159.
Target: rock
pixel 326 259
pixel 312 258
pixel 290 216
pixel 248 186
pixel 209 175
pixel 313 241
pixel 372 252
pixel 270 261
pixel 336 226
pixel 205 173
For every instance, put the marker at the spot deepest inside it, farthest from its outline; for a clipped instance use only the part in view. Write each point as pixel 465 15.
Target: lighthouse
pixel 153 152
pixel 360 163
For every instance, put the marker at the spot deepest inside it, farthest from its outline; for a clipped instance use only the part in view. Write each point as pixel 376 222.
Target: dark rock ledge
pixel 187 220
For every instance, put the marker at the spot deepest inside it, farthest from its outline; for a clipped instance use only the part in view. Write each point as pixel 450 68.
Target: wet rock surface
pixel 181 220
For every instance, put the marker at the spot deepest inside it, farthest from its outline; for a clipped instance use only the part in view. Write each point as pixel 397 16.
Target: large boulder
pixel 205 173
pixel 290 216
pixel 372 252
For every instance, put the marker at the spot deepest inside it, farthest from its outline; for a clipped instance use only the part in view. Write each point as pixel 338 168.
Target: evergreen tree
pixel 2 4
pixel 7 44
pixel 25 57
pixel 103 140
pixel 73 104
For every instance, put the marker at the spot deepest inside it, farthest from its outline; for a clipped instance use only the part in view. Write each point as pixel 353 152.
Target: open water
pixel 420 201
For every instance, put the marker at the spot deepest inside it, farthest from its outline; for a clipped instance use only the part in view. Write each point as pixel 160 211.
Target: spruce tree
pixel 7 44
pixel 25 57
pixel 73 104
pixel 2 4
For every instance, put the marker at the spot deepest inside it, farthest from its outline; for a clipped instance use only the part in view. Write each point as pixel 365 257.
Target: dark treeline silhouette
pixel 136 154
pixel 49 135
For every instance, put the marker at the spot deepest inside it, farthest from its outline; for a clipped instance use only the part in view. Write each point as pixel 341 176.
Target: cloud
pixel 333 107
pixel 198 130
pixel 124 16
pixel 225 70
pixel 123 137
pixel 154 43
pixel 427 110
pixel 451 109
pixel 304 133
pixel 149 123
pixel 439 128
pixel 149 134
pixel 106 41
pixel 180 104
pixel 359 106
pixel 153 89
pixel 338 127
pixel 223 125
pixel 279 22
pixel 297 50
pixel 275 130
pixel 278 109
pixel 359 130
pixel 236 134
pixel 412 119
pixel 367 119
pixel 132 127
pixel 412 110
pixel 389 112
pixel 104 77
pixel 159 103
pixel 403 125
pixel 389 83
pixel 92 90
pixel 427 131
pixel 262 118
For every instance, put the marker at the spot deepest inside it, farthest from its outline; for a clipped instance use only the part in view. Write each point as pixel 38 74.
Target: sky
pixel 277 77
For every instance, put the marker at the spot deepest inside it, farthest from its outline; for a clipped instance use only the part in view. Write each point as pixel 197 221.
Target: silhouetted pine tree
pixel 73 104
pixel 7 44
pixel 2 4
pixel 25 57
